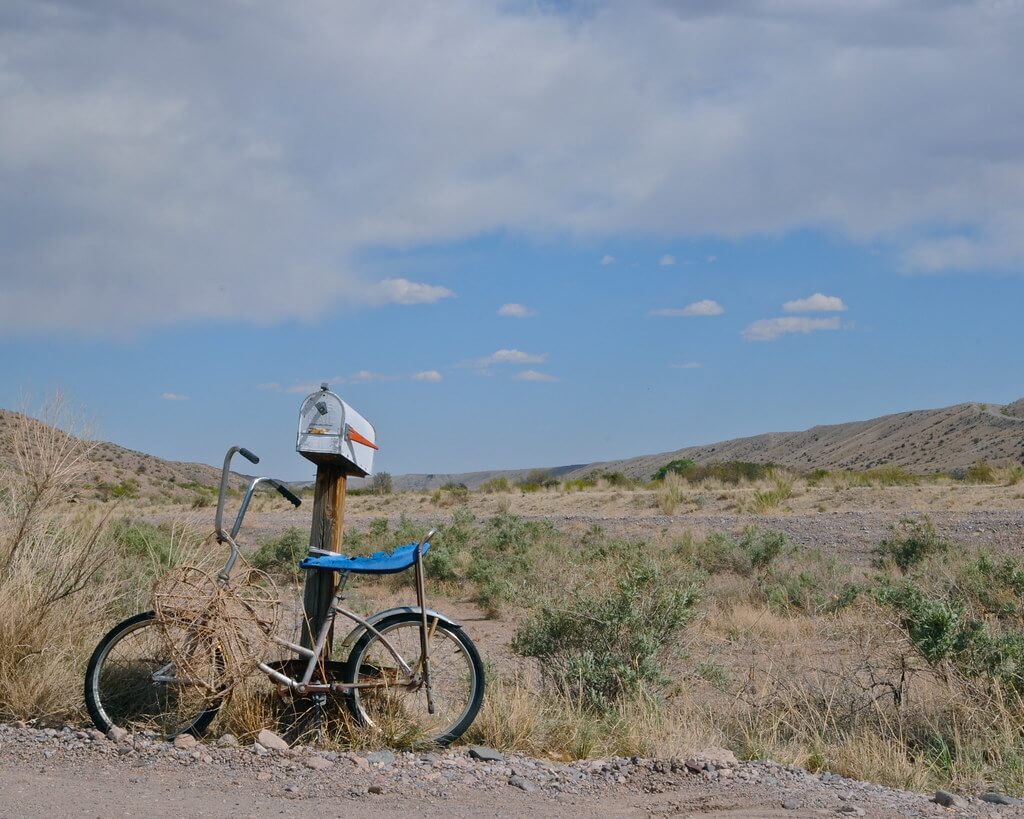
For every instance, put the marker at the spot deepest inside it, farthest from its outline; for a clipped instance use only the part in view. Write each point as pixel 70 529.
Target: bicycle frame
pixel 413 677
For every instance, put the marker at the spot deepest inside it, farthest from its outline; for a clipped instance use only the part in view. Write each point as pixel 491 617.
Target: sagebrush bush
pixel 600 648
pixel 910 543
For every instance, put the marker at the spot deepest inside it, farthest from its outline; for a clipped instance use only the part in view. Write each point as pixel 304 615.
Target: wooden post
pixel 328 521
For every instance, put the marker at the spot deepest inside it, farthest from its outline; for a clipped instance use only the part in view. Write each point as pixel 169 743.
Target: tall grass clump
pixel 910 542
pixel 670 493
pixel 51 562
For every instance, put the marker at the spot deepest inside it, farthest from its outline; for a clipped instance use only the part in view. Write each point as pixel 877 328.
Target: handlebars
pixel 229 538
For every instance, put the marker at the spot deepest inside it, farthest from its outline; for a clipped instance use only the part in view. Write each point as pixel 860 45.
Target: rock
pixel 227 741
pixel 259 750
pixel 271 741
pixel 949 800
pixel 318 763
pixel 293 788
pixel 117 734
pixel 694 765
pixel 850 810
pixel 1000 799
pixel 485 754
pixel 791 803
pixel 721 757
pixel 383 758
pixel 185 742
pixel 377 790
pixel 522 783
pixel 95 735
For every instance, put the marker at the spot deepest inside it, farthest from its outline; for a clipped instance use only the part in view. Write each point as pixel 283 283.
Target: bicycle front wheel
pixel 133 683
pixel 400 711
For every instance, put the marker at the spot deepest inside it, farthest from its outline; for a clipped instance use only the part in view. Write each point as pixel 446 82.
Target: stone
pixel 117 734
pixel 791 803
pixel 694 765
pixel 522 783
pixel 185 742
pixel 259 750
pixel 227 741
pixel 721 757
pixel 383 758
pixel 271 741
pixel 1000 799
pixel 850 810
pixel 949 800
pixel 95 735
pixel 377 790
pixel 485 754
pixel 318 763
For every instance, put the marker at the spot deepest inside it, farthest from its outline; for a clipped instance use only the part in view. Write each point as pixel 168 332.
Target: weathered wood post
pixel 341 443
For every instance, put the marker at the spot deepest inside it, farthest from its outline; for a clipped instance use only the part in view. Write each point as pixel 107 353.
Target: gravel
pixel 478 779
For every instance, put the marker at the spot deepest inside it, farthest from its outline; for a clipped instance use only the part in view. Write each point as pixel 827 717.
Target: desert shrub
pixel 381 484
pixel 911 542
pixel 579 485
pixel 755 550
pixel 451 494
pixel 125 490
pixel 670 493
pixel 617 480
pixel 980 472
pixel 536 480
pixel 807 592
pixel 676 467
pixel 281 555
pixel 766 500
pixel 139 541
pixel 495 486
pixel 602 648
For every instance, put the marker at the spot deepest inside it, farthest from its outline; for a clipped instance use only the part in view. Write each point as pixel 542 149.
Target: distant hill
pixel 114 470
pixel 921 441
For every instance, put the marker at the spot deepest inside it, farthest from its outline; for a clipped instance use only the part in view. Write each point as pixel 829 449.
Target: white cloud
pixel 173 396
pixel 403 291
pixel 706 307
pixel 817 303
pixel 533 375
pixel 507 357
pixel 771 329
pixel 690 365
pixel 145 179
pixel 607 260
pixel 667 261
pixel 514 310
pixel 428 375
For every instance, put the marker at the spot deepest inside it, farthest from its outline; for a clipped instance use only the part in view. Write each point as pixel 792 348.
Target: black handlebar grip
pixel 245 453
pixel 284 490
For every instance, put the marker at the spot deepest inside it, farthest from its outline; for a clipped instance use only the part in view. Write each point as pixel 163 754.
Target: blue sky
pixel 710 220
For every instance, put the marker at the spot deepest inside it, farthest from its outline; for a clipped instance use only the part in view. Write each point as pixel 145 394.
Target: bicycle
pixel 409 660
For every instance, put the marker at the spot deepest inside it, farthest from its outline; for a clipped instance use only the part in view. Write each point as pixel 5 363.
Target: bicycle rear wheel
pixel 131 682
pixel 400 711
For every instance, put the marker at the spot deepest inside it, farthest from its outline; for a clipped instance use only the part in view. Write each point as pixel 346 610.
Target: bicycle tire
pixel 364 664
pixel 120 693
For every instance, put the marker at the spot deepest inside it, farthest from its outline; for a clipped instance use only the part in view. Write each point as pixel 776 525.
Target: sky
pixel 511 234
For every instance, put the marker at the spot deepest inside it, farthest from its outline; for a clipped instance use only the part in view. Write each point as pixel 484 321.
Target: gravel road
pixel 74 772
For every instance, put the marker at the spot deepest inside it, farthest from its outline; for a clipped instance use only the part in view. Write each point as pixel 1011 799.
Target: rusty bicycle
pixel 169 673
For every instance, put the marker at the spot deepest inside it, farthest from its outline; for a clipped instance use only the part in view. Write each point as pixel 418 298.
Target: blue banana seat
pixel 397 560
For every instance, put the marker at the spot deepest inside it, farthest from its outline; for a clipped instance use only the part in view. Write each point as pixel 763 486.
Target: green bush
pixel 282 554
pixel 141 541
pixel 495 485
pixel 678 467
pixel 600 649
pixel 537 480
pixel 381 484
pixel 755 550
pixel 980 472
pixel 911 542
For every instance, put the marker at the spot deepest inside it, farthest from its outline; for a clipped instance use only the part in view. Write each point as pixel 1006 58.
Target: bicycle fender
pixel 373 619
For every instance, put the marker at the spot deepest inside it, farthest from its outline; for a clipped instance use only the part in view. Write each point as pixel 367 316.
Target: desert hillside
pixel 115 470
pixel 920 441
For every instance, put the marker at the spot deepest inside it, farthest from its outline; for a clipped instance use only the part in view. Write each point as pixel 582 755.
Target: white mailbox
pixel 331 432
